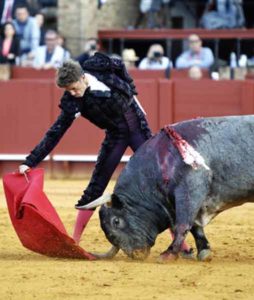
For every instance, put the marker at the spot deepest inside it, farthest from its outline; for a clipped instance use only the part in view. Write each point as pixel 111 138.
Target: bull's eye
pixel 117 222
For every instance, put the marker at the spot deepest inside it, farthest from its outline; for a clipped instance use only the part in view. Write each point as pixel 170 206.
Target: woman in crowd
pixel 9 44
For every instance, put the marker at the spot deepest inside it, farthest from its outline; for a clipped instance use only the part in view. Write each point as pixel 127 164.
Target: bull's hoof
pixel 205 255
pixel 167 256
pixel 187 254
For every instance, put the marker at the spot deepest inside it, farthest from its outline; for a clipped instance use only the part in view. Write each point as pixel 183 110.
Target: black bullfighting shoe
pixel 83 205
pixel 80 203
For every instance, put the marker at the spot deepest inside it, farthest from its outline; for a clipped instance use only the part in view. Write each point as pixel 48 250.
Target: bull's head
pixel 125 226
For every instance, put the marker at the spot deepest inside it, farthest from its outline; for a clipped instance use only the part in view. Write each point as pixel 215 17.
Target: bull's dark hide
pixel 157 189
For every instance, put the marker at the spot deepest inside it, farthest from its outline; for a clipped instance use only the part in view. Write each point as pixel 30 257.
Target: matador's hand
pixel 23 169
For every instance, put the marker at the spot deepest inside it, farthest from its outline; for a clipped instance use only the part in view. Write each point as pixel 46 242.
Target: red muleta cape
pixel 35 220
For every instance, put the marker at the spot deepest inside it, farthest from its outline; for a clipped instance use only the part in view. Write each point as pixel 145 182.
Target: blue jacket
pixel 30 37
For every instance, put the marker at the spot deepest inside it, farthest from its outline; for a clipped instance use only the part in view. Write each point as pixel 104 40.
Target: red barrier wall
pixel 31 73
pixel 147 74
pixel 29 107
pixel 185 99
pixel 25 109
pixel 193 99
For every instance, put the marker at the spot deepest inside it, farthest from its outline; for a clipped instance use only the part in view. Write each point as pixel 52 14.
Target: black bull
pixel 157 189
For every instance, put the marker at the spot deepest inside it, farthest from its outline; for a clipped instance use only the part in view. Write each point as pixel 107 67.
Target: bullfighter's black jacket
pixel 105 109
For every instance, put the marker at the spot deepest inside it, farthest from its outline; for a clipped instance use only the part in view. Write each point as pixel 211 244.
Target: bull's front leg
pixel 189 195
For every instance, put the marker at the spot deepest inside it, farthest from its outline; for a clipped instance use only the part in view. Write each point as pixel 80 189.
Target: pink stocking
pixel 82 219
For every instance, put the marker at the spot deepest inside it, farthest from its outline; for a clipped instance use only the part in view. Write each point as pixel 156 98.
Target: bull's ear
pixel 116 202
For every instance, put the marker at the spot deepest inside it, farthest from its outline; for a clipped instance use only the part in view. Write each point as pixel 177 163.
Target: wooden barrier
pixel 187 99
pixel 25 114
pixel 29 107
pixel 31 73
pixel 209 98
pixel 147 74
pixel 184 74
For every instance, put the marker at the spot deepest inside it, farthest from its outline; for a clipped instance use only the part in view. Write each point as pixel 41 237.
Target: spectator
pixel 27 29
pixel 227 14
pixel 195 73
pixel 50 55
pixel 91 46
pixel 61 41
pixel 151 9
pixel 9 44
pixel 129 58
pixel 155 59
pixel 250 61
pixel 196 55
pixel 40 19
pixel 7 9
pixel 33 6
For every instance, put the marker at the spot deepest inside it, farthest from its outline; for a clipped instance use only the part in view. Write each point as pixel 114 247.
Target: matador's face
pixel 77 89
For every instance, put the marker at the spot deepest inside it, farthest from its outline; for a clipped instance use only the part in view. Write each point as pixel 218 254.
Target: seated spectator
pixel 9 44
pixel 196 55
pixel 33 6
pixel 129 58
pixel 195 73
pixel 50 55
pixel 226 14
pixel 27 30
pixel 40 19
pixel 150 9
pixel 7 9
pixel 90 47
pixel 155 59
pixel 61 41
pixel 250 62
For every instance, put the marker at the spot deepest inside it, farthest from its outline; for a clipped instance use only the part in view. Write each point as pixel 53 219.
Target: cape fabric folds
pixel 35 220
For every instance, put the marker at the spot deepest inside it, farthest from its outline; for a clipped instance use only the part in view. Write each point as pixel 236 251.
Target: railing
pixel 169 35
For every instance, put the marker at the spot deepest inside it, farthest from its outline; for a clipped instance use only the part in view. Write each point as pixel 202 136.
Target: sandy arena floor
pixel 27 275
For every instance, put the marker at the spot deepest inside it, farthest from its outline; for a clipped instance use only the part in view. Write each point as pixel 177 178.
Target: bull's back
pixel 227 145
pixel 225 137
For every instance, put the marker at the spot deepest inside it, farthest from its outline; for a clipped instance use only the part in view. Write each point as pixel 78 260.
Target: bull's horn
pixel 110 254
pixel 99 201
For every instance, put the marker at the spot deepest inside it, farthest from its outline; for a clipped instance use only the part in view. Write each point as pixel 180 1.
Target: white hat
pixel 129 55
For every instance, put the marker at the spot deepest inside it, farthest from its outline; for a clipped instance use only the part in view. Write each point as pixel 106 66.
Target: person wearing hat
pixel 129 58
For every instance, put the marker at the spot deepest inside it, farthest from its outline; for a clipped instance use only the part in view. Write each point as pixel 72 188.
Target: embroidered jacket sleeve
pixel 52 136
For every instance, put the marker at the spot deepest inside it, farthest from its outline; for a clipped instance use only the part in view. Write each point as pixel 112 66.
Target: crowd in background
pixel 25 41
